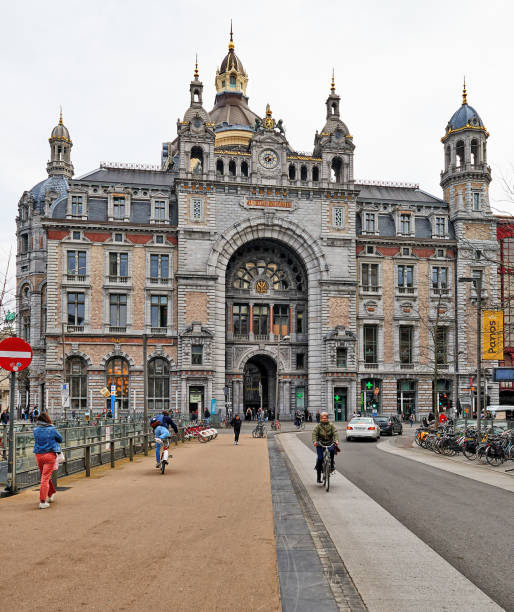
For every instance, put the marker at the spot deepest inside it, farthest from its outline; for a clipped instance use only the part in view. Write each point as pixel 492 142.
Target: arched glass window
pixel 475 152
pixel 281 276
pixel 244 169
pixel 292 172
pixel 232 167
pixel 232 81
pixel 196 160
pixel 117 373
pixel 76 377
pixel 459 152
pixel 303 173
pixel 158 385
pixel 219 167
pixel 315 174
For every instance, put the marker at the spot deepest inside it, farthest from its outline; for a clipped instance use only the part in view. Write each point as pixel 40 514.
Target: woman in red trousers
pixel 46 449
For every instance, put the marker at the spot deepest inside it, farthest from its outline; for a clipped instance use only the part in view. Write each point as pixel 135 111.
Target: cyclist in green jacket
pixel 324 433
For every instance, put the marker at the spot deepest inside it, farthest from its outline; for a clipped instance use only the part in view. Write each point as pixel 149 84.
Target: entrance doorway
pixel 196 401
pixel 340 403
pixel 259 385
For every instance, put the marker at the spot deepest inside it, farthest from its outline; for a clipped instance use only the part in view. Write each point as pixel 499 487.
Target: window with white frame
pixel 197 209
pixel 118 266
pixel 159 310
pixel 476 201
pixel 76 263
pixel 405 224
pixel 338 216
pixel 76 309
pixel 440 226
pixel 439 278
pixel 118 310
pixel 159 267
pixel 160 212
pixel 119 207
pixel 406 279
pixel 77 205
pixel 369 223
pixel 369 277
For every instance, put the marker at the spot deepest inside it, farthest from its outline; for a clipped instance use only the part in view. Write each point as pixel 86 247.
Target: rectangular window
pixel 160 210
pixel 281 319
pixel 76 206
pixel 76 263
pixel 260 320
pixel 240 318
pixel 300 322
pixel 118 310
pixel 24 243
pixel 118 207
pixel 75 309
pixel 405 277
pixel 441 345
pixel 118 265
pixel 197 206
pixel 338 213
pixel 369 223
pixel 159 310
pixel 369 277
pixel 477 277
pixel 440 226
pixel 370 249
pixel 406 342
pixel 159 266
pixel 404 224
pixel 439 278
pixel 440 252
pixel 476 201
pixel 370 338
pixel 341 357
pixel 197 354
pixel 76 235
pixel 300 361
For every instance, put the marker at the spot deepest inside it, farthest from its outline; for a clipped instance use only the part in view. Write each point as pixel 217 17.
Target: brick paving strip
pixel 311 572
pixel 198 538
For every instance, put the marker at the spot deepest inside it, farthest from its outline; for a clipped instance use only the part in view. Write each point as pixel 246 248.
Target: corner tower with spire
pixel 60 151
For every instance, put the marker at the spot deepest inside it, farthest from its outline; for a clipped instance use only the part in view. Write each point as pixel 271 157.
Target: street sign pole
pixel 9 489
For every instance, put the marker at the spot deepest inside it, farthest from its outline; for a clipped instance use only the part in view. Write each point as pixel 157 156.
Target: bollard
pixel 131 449
pixel 112 454
pixel 88 461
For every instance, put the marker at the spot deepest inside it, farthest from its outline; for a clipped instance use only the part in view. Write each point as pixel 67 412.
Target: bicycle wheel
pixel 469 450
pixel 163 466
pixel 494 456
pixel 254 434
pixel 327 475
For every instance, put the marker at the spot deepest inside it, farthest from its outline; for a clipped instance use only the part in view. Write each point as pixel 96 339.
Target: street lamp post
pixel 478 281
pixel 279 340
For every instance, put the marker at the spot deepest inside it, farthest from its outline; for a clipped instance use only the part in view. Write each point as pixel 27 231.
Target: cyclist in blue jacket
pixel 160 433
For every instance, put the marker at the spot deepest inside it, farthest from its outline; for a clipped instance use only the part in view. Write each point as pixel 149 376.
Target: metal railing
pixel 83 447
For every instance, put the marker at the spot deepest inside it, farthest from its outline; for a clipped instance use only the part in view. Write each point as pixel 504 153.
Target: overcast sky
pixel 121 71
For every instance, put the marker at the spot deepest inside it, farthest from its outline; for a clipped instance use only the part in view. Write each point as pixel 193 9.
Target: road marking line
pixel 391 567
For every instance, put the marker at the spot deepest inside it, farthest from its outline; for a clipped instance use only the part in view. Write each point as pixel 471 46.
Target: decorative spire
pixel 268 111
pixel 196 68
pixel 333 85
pixel 464 93
pixel 60 115
pixel 231 42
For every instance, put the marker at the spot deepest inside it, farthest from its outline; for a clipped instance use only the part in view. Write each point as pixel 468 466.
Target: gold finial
pixel 268 110
pixel 231 43
pixel 196 68
pixel 60 115
pixel 464 93
pixel 333 86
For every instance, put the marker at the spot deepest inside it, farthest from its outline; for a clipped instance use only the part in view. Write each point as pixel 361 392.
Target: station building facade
pixel 242 270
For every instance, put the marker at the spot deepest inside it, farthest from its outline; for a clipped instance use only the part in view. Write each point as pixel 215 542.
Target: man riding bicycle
pixel 160 425
pixel 324 434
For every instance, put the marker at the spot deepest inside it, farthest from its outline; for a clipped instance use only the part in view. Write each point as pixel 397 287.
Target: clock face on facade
pixel 268 159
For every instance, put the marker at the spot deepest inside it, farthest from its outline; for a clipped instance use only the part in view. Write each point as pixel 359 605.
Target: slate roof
pixel 465 115
pixel 58 184
pixel 128 176
pixel 381 193
pixel 232 108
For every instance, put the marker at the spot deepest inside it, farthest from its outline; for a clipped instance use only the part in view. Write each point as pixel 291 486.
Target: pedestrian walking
pixel 411 419
pixel 4 417
pixel 206 415
pixel 236 424
pixel 317 416
pixel 46 449
pixel 248 414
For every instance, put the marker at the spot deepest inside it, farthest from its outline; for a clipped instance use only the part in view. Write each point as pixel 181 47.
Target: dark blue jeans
pixel 319 450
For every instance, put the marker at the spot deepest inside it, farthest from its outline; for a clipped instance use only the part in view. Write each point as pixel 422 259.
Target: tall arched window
pixel 196 160
pixel 475 150
pixel 76 377
pixel 219 167
pixel 315 174
pixel 158 385
pixel 459 153
pixel 244 169
pixel 232 167
pixel 447 157
pixel 303 173
pixel 336 170
pixel 117 373
pixel 292 172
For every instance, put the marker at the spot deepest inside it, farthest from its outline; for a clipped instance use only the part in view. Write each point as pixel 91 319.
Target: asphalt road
pixel 468 523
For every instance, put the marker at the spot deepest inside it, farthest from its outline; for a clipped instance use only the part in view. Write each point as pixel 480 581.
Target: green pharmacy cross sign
pixel 299 395
pixel 337 398
pixel 10 316
pixel 369 384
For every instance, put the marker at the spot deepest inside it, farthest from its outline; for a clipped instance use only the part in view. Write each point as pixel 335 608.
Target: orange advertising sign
pixel 492 335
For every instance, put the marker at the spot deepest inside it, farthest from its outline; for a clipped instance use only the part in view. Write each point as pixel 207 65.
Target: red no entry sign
pixel 15 354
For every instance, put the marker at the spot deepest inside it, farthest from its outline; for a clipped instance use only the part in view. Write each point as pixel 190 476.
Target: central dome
pixel 465 115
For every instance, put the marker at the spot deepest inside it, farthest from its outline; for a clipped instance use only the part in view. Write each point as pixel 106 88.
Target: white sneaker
pixel 51 499
pixel 44 505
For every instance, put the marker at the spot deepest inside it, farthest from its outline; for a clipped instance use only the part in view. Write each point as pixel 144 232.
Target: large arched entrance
pixel 259 378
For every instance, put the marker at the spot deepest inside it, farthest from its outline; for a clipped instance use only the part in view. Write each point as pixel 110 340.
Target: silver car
pixel 362 427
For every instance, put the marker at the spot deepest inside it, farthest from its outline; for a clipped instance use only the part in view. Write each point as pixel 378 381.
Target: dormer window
pixel 76 206
pixel 369 223
pixel 232 81
pixel 405 224
pixel 440 226
pixel 118 207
